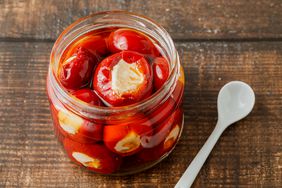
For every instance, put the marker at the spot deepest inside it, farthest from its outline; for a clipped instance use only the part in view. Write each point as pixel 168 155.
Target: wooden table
pixel 218 41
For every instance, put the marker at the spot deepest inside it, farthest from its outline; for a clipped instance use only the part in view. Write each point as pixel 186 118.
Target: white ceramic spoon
pixel 235 101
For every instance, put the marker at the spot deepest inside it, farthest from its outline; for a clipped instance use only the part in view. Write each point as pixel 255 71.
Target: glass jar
pixel 118 140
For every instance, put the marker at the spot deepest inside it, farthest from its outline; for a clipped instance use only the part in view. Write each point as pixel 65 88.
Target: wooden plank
pixel 248 155
pixel 184 19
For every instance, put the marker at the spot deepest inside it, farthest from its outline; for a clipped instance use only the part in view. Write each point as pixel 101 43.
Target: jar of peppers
pixel 115 86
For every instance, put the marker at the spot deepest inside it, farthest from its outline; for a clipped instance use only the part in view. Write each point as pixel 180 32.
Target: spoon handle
pixel 192 171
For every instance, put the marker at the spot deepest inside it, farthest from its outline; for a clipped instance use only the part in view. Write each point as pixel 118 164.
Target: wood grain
pixel 249 154
pixel 184 19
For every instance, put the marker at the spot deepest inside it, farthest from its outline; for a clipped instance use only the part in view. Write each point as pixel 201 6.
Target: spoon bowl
pixel 235 101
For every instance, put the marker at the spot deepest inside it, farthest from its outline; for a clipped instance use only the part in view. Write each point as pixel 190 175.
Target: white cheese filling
pixel 129 143
pixel 69 122
pixel 126 77
pixel 81 157
pixel 86 160
pixel 173 134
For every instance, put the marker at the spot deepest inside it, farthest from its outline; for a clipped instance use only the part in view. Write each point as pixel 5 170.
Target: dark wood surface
pixel 184 19
pixel 218 41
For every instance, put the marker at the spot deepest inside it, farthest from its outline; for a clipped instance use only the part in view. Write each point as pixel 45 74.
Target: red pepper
pixel 123 79
pixel 127 39
pixel 93 156
pixel 88 96
pixel 76 71
pixel 95 44
pixel 75 127
pixel 163 139
pixel 160 72
pixel 125 138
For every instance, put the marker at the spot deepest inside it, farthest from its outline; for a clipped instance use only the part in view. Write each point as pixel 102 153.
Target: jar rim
pixel 73 103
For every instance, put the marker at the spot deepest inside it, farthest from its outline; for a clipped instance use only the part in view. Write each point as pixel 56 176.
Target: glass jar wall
pixel 109 139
